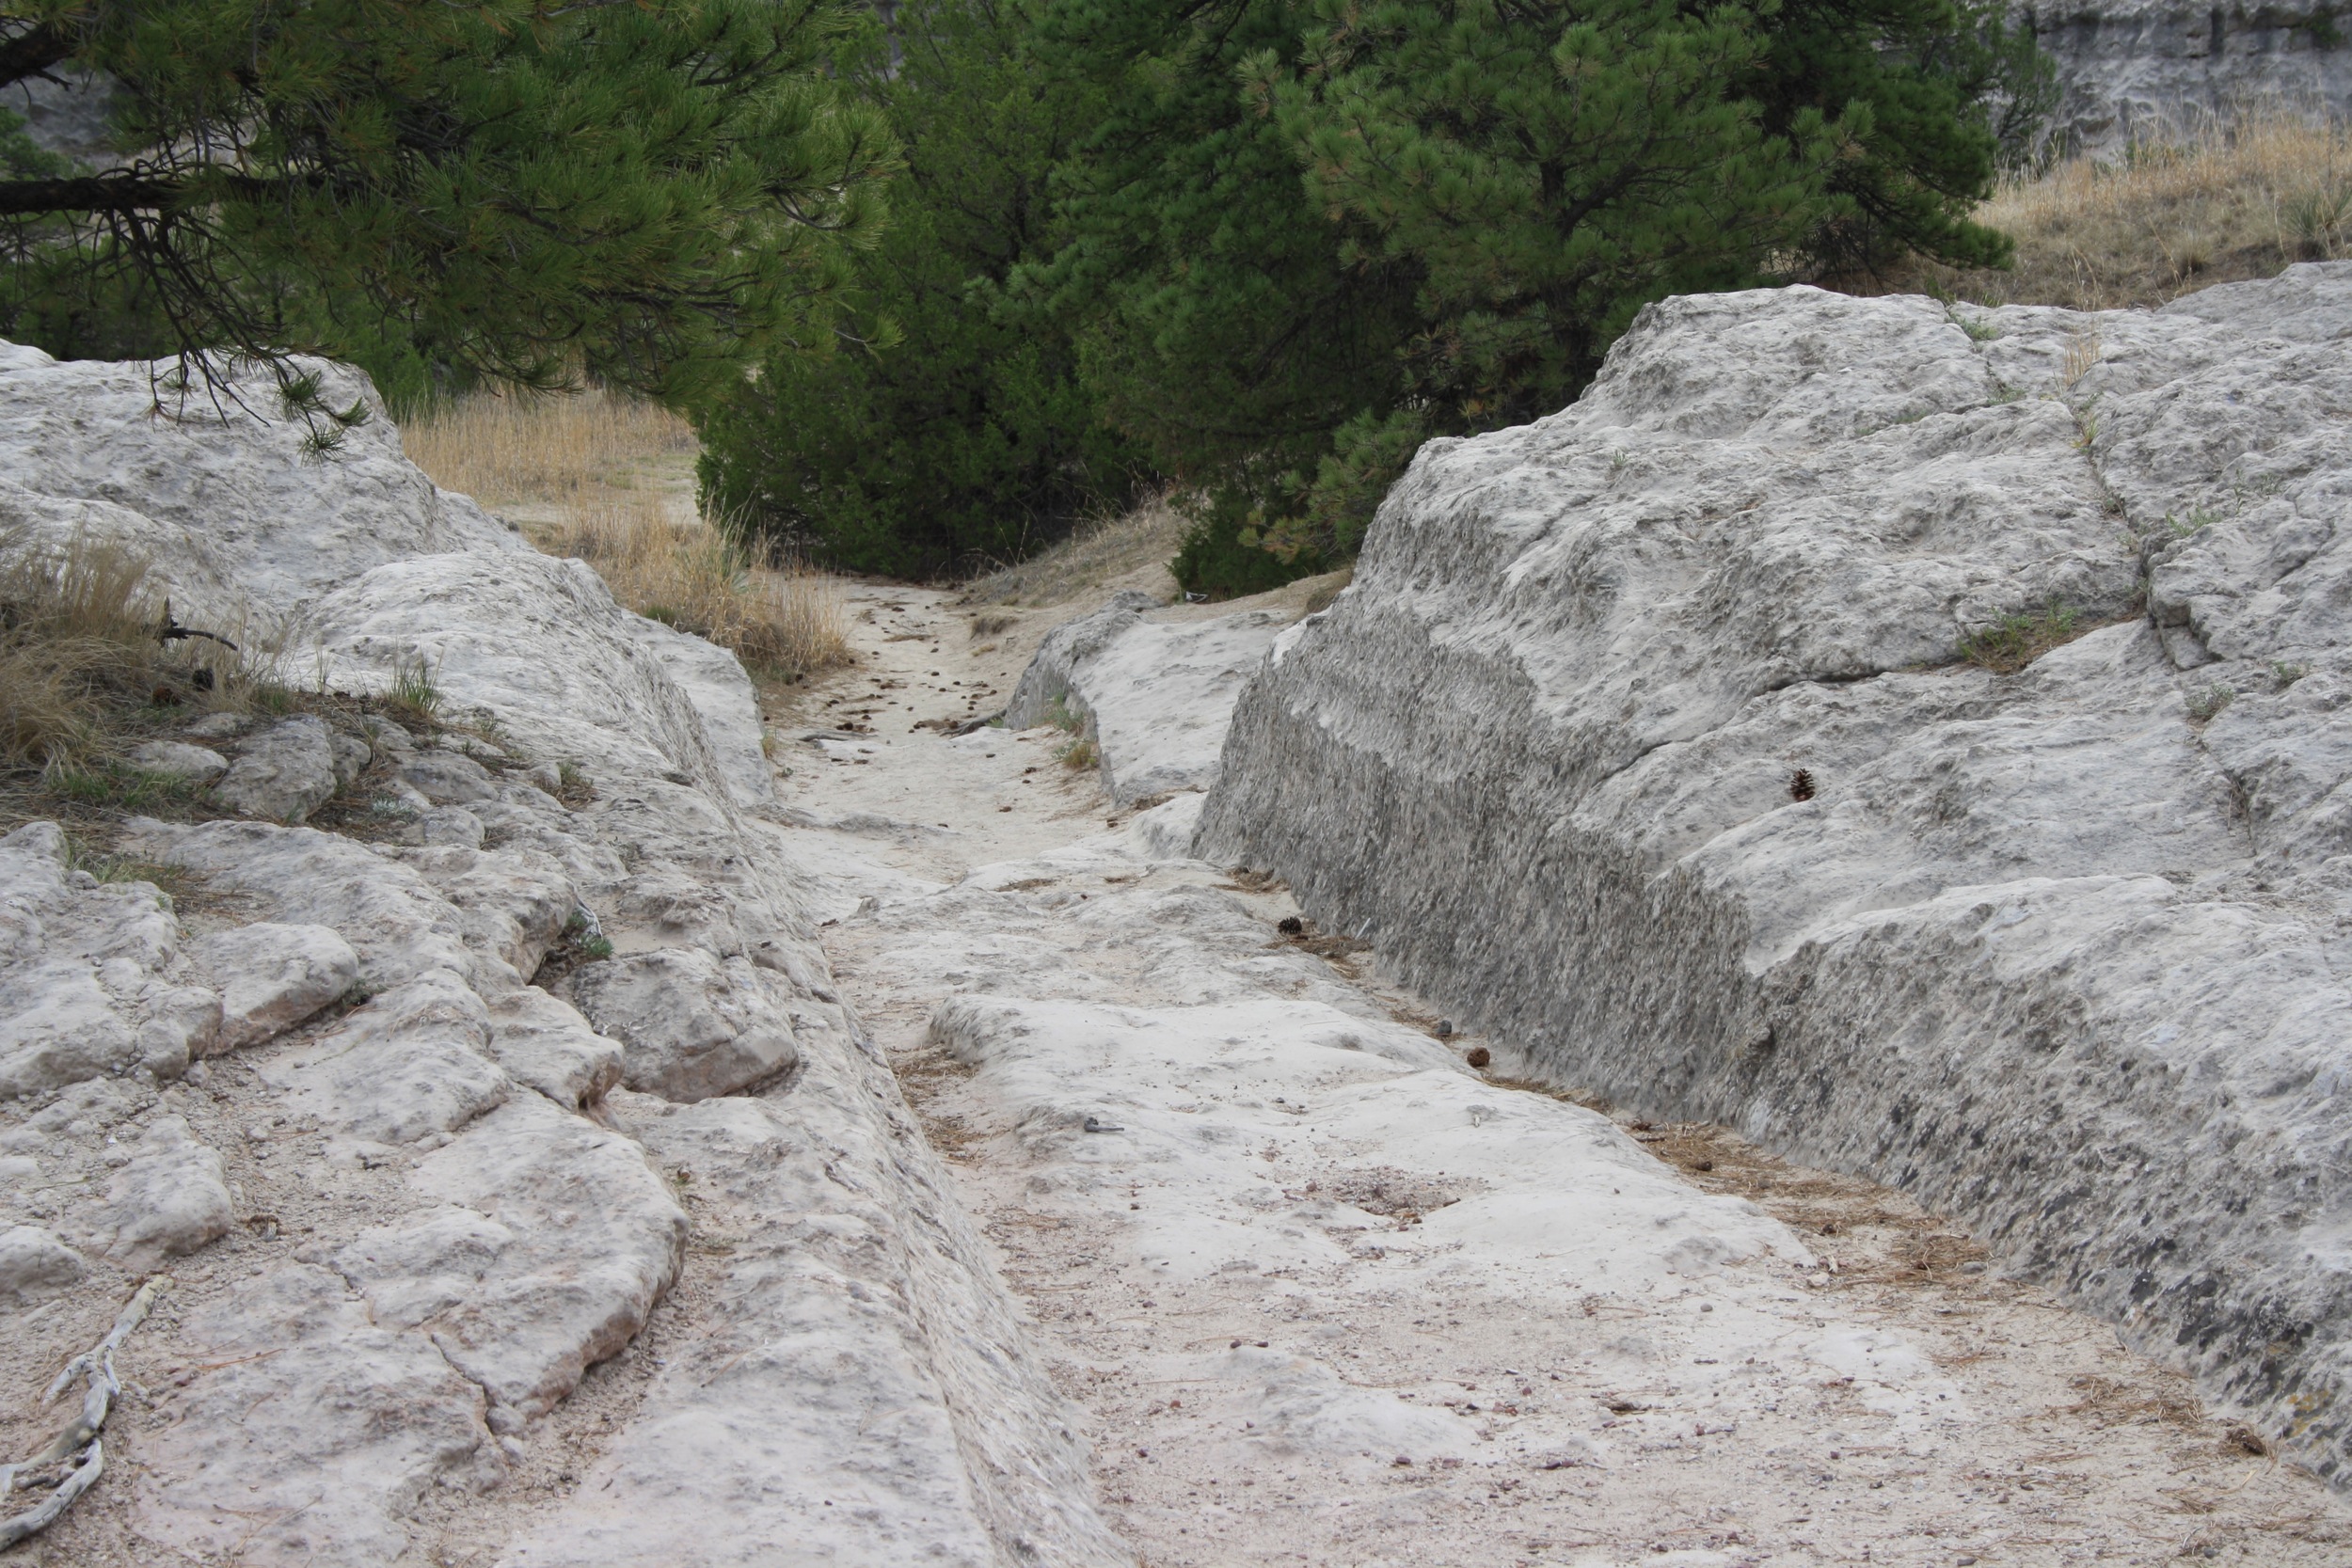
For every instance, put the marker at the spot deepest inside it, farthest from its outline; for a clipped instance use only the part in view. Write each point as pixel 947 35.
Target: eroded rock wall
pixel 408 1197
pixel 1644 737
pixel 2152 70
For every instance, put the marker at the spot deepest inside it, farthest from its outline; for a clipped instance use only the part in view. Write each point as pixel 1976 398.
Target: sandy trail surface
pixel 1330 1295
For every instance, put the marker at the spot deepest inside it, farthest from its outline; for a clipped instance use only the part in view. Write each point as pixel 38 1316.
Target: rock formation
pixel 408 1197
pixel 1155 696
pixel 2148 69
pixel 1688 738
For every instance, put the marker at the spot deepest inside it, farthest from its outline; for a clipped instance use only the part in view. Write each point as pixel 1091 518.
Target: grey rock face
pixel 284 775
pixel 1642 738
pixel 551 1242
pixel 448 778
pixel 271 977
pixel 2147 70
pixel 692 1025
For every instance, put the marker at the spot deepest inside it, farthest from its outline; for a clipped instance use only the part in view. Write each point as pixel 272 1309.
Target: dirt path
pixel 1327 1296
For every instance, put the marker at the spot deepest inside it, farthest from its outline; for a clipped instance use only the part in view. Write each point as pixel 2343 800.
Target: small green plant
pixel 2087 427
pixel 2204 704
pixel 2199 519
pixel 1059 714
pixel 2284 675
pixel 2008 645
pixel 1978 331
pixel 416 687
pixel 113 785
pixel 1080 754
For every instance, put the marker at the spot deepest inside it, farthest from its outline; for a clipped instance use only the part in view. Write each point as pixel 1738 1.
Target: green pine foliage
pixel 1488 191
pixel 644 193
pixel 955 434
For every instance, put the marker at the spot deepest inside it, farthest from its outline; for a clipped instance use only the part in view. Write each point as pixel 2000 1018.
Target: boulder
pixel 545 1044
pixel 691 1025
pixel 1719 743
pixel 169 1200
pixel 284 775
pixel 175 759
pixel 34 1263
pixel 272 977
pixel 1155 694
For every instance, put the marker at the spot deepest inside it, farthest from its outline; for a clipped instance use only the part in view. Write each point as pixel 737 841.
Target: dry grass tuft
pixel 611 480
pixel 2232 201
pixel 85 671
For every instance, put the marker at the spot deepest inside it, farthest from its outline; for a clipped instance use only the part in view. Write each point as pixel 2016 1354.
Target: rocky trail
pixel 1327 1295
pixel 514 1094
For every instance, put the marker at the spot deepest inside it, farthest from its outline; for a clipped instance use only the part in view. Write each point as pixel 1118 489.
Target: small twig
pixel 174 632
pixel 79 1441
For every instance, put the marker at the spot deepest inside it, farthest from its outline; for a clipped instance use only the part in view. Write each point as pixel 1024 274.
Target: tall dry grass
pixel 85 669
pixel 2228 201
pixel 611 480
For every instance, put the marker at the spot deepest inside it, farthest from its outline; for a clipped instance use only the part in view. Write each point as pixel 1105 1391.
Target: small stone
pixel 219 726
pixel 33 1263
pixel 175 760
pixel 449 778
pixel 284 775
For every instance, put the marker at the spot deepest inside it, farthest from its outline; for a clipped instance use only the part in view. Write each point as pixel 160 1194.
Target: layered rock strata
pixel 409 1197
pixel 2149 71
pixel 1647 736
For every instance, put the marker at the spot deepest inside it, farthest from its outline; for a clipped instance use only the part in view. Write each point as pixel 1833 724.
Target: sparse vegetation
pixel 2284 675
pixel 609 480
pixel 2204 704
pixel 2234 201
pixel 86 671
pixel 2011 643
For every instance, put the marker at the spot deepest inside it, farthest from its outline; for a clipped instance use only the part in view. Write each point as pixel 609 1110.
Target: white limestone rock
pixel 309 1434
pixel 545 1045
pixel 549 1244
pixel 448 778
pixel 398 923
pixel 33 1264
pixel 1641 743
pixel 692 1025
pixel 828 1419
pixel 272 977
pixel 175 759
pixel 284 775
pixel 221 496
pixel 169 1200
pixel 86 973
pixel 1156 696
pixel 411 1064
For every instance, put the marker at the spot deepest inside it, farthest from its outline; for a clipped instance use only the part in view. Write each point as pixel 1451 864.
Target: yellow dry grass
pixel 85 671
pixel 609 480
pixel 2232 200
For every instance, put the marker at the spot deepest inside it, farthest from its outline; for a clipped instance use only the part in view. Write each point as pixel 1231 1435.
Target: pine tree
pixel 958 436
pixel 1491 189
pixel 644 192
